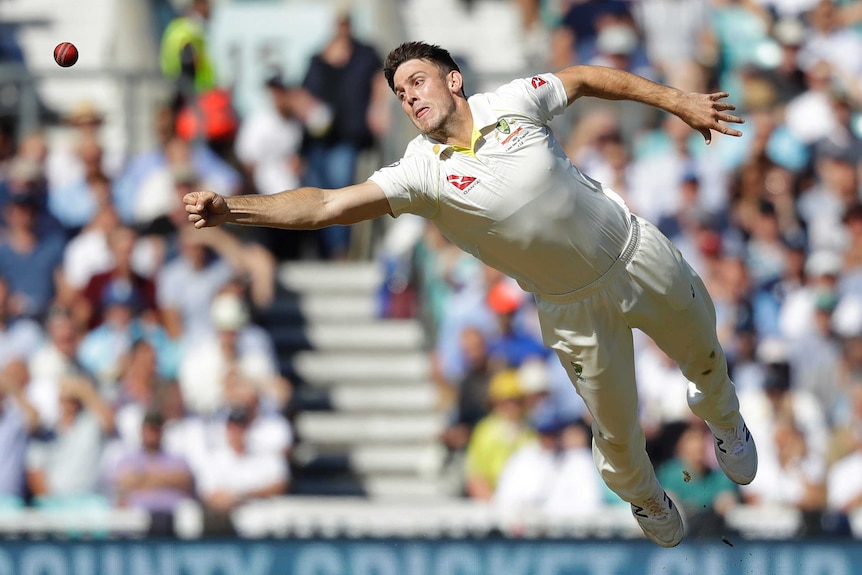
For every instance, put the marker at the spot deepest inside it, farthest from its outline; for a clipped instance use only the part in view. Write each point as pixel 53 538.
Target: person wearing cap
pixel 235 474
pixel 238 349
pixel 152 479
pixel 490 174
pixel 497 435
pixel 512 344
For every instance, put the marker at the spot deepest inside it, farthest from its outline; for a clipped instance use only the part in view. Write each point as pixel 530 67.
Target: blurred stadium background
pixel 370 400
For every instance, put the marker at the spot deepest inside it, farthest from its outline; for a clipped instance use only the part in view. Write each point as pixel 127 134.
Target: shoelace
pixel 655 508
pixel 737 439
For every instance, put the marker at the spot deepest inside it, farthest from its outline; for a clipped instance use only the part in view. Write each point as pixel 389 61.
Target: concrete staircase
pixel 365 409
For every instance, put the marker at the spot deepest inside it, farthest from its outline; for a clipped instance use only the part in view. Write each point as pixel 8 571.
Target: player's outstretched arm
pixel 703 112
pixel 300 209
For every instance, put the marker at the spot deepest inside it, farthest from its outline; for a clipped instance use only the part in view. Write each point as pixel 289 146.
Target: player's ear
pixel 455 82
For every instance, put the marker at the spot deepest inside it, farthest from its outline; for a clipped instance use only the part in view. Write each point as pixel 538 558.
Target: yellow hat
pixel 505 385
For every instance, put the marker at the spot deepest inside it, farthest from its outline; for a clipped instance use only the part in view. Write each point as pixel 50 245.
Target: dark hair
pixel 418 51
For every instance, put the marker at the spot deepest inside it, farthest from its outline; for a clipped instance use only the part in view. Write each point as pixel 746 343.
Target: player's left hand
pixel 708 112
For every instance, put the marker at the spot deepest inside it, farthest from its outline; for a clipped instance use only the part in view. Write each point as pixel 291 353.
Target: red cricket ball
pixel 65 54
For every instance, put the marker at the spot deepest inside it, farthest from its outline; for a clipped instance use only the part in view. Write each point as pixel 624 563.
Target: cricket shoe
pixel 660 520
pixel 736 452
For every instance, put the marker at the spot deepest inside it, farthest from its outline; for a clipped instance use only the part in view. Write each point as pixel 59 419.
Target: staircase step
pixel 421 460
pixel 382 398
pixel 381 335
pixel 422 397
pixel 326 277
pixel 313 308
pixel 350 429
pixel 328 367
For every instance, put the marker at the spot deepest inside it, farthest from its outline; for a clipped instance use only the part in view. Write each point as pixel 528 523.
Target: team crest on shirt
pixel 463 183
pixel 509 134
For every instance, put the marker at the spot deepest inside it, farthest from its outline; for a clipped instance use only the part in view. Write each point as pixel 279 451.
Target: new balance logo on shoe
pixel 736 452
pixel 660 520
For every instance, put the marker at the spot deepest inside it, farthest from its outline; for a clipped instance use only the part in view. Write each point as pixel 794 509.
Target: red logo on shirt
pixel 461 182
pixel 538 82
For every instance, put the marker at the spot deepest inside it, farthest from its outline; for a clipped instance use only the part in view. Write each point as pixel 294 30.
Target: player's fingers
pixel 193 208
pixel 719 95
pixel 731 118
pixel 201 223
pixel 724 106
pixel 707 135
pixel 728 130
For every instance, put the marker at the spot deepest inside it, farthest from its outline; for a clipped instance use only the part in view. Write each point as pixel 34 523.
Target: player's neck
pixel 458 129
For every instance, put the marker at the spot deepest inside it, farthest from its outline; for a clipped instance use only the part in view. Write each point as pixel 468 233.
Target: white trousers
pixel 652 288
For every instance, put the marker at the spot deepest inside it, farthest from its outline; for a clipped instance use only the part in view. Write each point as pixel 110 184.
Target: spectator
pixel 795 453
pixel 237 349
pixel 18 419
pixel 29 259
pixel 471 391
pixel 695 484
pixel 187 285
pixel 823 205
pixel 58 354
pixel 104 348
pixel 497 436
pixel 137 390
pixel 347 75
pixel 670 47
pixel 554 477
pixel 831 41
pixel 809 116
pixel 235 475
pixel 787 76
pixel 152 172
pixel 19 337
pixel 512 345
pixel 269 431
pixel 152 479
pixel 64 466
pixel 584 20
pixel 121 242
pixel 618 46
pixel 184 53
pixel 65 164
pixel 75 203
pixel 796 476
pixel 269 146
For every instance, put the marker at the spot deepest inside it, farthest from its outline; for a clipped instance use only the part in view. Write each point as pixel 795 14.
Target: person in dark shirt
pixel 342 76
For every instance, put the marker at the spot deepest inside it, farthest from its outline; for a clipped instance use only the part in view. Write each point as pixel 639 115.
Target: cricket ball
pixel 65 54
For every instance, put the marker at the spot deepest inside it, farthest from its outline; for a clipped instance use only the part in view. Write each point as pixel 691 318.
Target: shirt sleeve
pixel 411 185
pixel 541 97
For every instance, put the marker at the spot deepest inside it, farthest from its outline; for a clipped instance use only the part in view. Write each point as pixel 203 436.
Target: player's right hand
pixel 206 209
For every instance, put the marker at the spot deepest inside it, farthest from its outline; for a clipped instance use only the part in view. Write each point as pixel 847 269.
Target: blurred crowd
pixel 135 369
pixel 135 366
pixel 772 222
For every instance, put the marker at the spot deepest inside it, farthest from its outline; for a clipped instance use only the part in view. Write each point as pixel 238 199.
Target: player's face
pixel 426 95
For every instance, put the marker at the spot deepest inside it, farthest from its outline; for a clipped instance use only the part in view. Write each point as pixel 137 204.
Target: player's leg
pixel 675 309
pixel 594 344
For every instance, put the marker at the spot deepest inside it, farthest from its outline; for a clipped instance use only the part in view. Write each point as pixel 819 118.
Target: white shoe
pixel 660 521
pixel 736 452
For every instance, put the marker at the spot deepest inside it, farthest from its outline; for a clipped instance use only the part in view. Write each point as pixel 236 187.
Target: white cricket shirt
pixel 514 200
